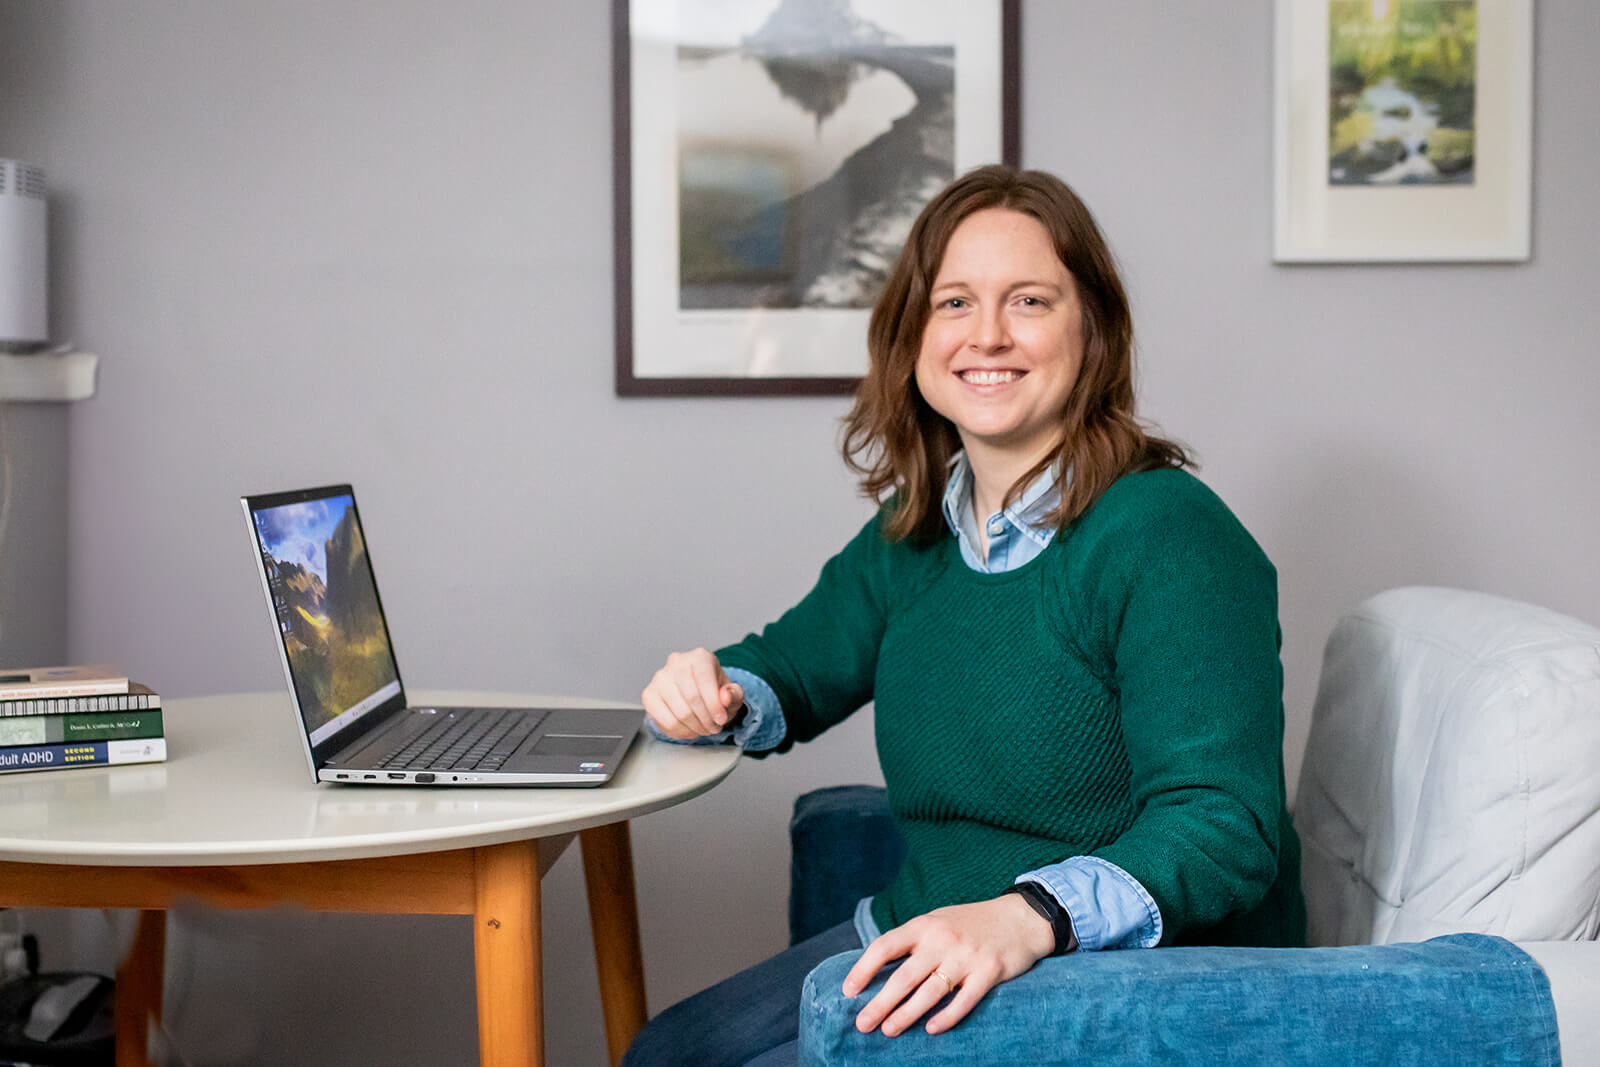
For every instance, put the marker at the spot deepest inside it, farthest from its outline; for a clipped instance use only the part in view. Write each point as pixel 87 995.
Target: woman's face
pixel 1004 340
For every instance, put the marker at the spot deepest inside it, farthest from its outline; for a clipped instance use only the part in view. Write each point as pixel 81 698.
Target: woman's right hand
pixel 691 696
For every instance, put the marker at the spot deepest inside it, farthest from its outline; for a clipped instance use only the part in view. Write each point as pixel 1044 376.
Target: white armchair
pixel 1451 783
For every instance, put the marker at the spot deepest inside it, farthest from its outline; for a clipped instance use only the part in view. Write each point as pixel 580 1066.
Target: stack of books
pixel 57 717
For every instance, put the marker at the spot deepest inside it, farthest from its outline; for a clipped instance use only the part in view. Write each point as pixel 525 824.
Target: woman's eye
pixel 1032 302
pixel 955 303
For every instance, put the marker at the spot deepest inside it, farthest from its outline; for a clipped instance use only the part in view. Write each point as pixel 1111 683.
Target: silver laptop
pixel 345 682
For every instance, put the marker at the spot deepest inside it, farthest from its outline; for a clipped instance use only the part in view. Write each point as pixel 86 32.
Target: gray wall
pixel 33 532
pixel 315 241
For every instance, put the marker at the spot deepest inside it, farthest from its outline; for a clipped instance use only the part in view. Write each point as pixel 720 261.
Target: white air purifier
pixel 23 263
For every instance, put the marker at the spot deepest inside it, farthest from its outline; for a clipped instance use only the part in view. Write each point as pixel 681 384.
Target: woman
pixel 1071 645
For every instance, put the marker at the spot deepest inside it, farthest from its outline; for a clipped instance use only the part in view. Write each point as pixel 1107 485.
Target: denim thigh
pixel 738 1019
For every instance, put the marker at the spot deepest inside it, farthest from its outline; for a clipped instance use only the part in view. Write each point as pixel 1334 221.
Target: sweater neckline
pixel 953 558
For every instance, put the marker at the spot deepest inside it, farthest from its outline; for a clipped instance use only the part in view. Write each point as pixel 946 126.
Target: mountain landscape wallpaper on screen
pixel 327 606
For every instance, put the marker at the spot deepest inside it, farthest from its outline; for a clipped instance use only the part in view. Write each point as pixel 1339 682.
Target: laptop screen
pixel 335 641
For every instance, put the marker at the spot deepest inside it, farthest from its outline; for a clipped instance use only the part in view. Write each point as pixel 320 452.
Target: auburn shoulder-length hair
pixel 899 445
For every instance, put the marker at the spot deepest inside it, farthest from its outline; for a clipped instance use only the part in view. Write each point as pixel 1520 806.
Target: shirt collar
pixel 1025 514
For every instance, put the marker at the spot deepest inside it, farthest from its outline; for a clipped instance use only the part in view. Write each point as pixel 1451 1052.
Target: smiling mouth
pixel 989 377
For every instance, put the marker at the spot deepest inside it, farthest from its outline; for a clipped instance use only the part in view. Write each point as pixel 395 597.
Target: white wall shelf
pixel 53 377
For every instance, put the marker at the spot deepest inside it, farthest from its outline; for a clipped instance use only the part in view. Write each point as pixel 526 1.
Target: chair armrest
pixel 844 845
pixel 1481 996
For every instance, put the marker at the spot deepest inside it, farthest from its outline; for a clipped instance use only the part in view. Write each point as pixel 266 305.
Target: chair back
pixel 1451 780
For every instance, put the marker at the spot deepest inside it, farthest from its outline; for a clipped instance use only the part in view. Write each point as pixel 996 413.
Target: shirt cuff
pixel 1107 905
pixel 866 926
pixel 762 727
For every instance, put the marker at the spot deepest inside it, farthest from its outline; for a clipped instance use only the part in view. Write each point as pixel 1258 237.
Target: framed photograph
pixel 770 158
pixel 1404 130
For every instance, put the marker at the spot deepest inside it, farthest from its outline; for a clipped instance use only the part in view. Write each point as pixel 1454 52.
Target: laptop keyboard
pixel 474 739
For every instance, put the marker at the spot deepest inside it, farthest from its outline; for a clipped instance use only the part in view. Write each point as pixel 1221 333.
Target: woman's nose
pixel 989 333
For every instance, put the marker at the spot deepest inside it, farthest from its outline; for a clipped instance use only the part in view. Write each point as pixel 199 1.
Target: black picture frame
pixel 658 339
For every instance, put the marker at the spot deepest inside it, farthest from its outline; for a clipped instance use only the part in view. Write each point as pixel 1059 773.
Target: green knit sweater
pixel 1119 696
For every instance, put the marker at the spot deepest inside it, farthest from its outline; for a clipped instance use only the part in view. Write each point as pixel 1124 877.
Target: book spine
pixel 81 754
pixel 79 726
pixel 34 691
pixel 74 705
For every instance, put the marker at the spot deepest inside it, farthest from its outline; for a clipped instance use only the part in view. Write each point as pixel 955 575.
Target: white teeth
pixel 988 377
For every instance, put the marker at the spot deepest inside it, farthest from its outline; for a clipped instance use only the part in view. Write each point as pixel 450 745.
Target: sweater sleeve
pixel 1185 605
pixel 821 656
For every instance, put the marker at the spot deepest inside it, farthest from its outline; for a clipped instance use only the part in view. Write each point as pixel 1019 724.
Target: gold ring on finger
pixel 948 985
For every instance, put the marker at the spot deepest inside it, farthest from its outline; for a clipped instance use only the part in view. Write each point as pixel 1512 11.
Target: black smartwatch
pixel 1049 908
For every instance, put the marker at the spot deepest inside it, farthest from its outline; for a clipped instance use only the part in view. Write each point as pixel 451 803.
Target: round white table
pixel 233 818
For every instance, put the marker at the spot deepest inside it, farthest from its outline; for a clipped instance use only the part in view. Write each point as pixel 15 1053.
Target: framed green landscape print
pixel 1404 130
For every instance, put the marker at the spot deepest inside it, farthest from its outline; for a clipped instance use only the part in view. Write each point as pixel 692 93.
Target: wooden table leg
pixel 506 948
pixel 614 918
pixel 138 996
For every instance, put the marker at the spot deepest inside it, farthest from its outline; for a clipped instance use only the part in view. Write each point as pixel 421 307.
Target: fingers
pixel 665 718
pixel 689 697
pixel 968 993
pixel 903 982
pixel 919 1000
pixel 951 956
pixel 906 996
pixel 916 988
pixel 702 686
pixel 886 947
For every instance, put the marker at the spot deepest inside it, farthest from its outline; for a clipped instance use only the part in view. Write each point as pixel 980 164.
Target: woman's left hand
pixel 965 948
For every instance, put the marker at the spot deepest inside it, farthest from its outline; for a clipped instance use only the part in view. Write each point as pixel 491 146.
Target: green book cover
pixel 79 726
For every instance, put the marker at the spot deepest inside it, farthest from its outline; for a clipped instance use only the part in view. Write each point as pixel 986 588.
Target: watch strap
pixel 1049 908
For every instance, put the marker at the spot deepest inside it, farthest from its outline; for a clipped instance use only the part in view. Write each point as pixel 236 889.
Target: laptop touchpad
pixel 575 745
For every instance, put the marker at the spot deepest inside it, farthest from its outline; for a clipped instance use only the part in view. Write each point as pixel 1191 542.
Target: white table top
pixel 236 789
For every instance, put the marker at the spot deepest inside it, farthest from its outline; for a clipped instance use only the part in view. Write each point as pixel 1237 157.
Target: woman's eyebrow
pixel 1025 283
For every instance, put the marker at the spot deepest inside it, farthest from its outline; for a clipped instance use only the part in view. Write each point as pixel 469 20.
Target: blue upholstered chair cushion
pixel 1463 998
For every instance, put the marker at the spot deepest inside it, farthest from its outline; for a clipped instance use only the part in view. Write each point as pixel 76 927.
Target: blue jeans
pixel 750 1019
